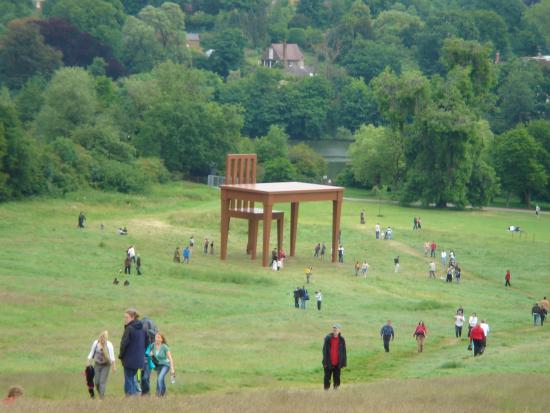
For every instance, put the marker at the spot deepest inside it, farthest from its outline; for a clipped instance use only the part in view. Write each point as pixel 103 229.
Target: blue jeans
pixel 130 381
pixel 161 385
pixel 145 374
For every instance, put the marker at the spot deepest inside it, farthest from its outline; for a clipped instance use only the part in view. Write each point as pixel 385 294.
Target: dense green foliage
pixel 441 77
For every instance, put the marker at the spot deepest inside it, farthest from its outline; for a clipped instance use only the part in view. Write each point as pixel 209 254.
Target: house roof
pixel 293 52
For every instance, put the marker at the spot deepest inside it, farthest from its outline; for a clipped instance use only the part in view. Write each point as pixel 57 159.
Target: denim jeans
pixel 130 381
pixel 145 375
pixel 161 385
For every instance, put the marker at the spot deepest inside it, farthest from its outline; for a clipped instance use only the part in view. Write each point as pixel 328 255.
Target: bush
pixel 154 169
pixel 117 176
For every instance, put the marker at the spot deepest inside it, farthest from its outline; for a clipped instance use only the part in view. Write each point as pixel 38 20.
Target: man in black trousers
pixel 334 357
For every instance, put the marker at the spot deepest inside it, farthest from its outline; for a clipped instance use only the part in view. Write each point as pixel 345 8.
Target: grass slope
pixel 232 325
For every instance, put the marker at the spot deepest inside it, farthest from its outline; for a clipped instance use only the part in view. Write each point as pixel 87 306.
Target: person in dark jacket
pixel 132 349
pixel 334 356
pixel 387 334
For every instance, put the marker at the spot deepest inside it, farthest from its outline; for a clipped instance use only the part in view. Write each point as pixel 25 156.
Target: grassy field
pixel 233 326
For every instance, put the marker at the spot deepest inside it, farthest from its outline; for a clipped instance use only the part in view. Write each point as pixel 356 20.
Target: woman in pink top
pixel 420 333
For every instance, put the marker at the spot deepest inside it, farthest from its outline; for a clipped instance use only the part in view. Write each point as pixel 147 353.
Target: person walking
pixel 132 349
pixel 127 265
pixel 535 311
pixel 431 270
pixel 507 278
pixel 472 322
pixel 537 210
pixel 296 297
pixel 449 278
pixel 205 246
pixel 317 250
pixel 477 337
pixel 212 247
pixel 433 247
pixel 543 305
pixel 444 259
pixel 387 335
pixel 362 216
pixel 415 223
pixel 396 264
pixel 308 271
pixel 186 255
pixel 323 250
pixel 103 355
pixel 177 255
pixel 459 322
pixel 419 334
pixel 304 296
pixel 485 326
pixel 357 268
pixel 192 241
pixel 341 254
pixel 319 298
pixel 81 220
pixel 377 231
pixel 138 265
pixel 365 268
pixel 161 358
pixel 334 357
pixel 426 248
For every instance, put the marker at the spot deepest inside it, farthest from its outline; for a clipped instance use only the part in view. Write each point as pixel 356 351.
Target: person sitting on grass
pixel 14 392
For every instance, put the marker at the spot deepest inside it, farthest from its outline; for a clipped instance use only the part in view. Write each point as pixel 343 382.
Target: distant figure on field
pixel 308 271
pixel 477 338
pixel 192 241
pixel 357 268
pixel 544 305
pixel 334 357
pixel 507 278
pixel 14 393
pixel 535 311
pixel 319 298
pixel 131 252
pixel 433 247
pixel 387 335
pixel 138 265
pixel 459 322
pixel 420 334
pixel 103 355
pixel 537 210
pixel 341 254
pixel 212 247
pixel 426 248
pixel 81 220
pixel 388 234
pixel 431 270
pixel 116 281
pixel 377 231
pixel 396 264
pixel 419 223
pixel 177 255
pixel 205 247
pixel 127 265
pixel 317 250
pixel 415 223
pixel 362 216
pixel 304 296
pixel 365 268
pixel 122 231
pixel 485 326
pixel 296 294
pixel 449 278
pixel 472 322
pixel 186 255
pixel 323 250
pixel 444 259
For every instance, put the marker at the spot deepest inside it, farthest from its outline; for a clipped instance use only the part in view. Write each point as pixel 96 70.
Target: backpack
pixel 150 328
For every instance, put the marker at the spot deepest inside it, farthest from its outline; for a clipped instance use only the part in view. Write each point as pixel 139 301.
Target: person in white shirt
pixel 472 322
pixel 365 268
pixel 431 270
pixel 444 259
pixel 319 298
pixel 377 229
pixel 485 328
pixel 103 355
pixel 459 322
pixel 132 253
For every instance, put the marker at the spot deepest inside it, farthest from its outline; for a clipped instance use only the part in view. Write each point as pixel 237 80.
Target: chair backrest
pixel 240 169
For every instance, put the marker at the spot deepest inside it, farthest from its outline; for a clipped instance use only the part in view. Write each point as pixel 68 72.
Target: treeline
pixel 436 95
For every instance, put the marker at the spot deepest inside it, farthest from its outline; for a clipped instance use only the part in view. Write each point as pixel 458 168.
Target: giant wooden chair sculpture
pixel 241 169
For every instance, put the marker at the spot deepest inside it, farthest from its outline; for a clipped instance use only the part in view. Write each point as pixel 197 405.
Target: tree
pixel 69 102
pixel 397 27
pixel 103 19
pixel 378 156
pixel 357 105
pixel 538 16
pixel 516 157
pixel 30 98
pixel 24 54
pixel 368 58
pixel 228 51
pixel 273 145
pixel 13 9
pixel 309 165
pixel 141 49
pixel 168 23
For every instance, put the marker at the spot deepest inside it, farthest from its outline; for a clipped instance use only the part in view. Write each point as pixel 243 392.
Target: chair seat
pixel 253 213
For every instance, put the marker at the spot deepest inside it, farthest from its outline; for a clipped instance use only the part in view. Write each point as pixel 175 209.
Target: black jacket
pixel 342 357
pixel 132 345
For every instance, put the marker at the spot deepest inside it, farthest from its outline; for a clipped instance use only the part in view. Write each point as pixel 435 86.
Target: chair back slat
pixel 240 169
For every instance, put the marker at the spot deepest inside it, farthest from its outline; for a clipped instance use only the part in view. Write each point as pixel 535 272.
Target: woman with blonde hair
pixel 160 357
pixel 103 355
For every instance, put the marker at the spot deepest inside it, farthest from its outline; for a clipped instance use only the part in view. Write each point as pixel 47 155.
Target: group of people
pixel 183 256
pixel 362 269
pixel 320 250
pixel 430 247
pixel 417 223
pixel 277 259
pixel 132 257
pixel 388 232
pixel 387 334
pixel 142 349
pixel 301 296
pixel 540 311
pixel 207 244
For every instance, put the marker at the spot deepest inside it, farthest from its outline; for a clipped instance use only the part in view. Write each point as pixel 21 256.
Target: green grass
pixel 232 325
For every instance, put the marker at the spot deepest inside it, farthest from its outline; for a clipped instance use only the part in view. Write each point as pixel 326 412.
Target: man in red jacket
pixel 334 356
pixel 477 335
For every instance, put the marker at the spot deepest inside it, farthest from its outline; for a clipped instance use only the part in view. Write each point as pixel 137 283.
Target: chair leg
pixel 254 239
pixel 280 227
pixel 249 242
